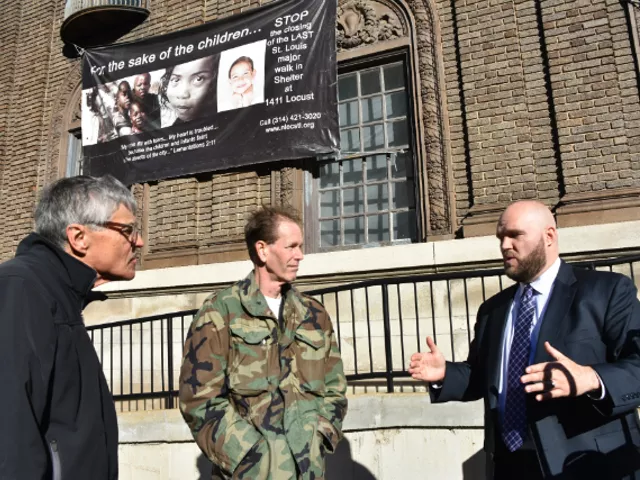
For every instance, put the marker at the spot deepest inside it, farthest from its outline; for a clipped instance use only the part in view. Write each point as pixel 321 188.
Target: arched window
pixel 70 157
pixel 376 192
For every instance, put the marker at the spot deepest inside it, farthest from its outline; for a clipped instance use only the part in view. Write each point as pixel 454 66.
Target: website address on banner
pixel 291 126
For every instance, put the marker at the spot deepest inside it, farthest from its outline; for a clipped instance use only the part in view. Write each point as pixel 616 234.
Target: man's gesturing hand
pixel 428 366
pixel 561 378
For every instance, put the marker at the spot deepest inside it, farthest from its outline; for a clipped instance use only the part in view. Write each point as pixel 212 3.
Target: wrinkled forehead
pixel 287 228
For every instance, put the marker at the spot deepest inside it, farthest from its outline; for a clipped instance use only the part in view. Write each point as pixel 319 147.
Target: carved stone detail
pixel 286 186
pixel 76 113
pixel 361 22
pixel 438 209
pixel 65 110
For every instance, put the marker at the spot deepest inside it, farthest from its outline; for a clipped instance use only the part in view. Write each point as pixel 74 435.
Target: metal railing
pixel 379 324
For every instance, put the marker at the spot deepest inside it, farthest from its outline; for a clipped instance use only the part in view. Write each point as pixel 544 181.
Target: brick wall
pixel 28 67
pixel 539 100
pixel 542 102
pixel 595 93
pixel 8 40
pixel 180 212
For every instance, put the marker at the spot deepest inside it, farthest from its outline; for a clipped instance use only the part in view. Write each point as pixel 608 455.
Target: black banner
pixel 256 87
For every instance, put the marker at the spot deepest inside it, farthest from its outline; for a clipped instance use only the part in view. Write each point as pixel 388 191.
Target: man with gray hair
pixel 57 415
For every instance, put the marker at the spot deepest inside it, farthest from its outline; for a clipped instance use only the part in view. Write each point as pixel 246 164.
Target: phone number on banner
pixel 294 117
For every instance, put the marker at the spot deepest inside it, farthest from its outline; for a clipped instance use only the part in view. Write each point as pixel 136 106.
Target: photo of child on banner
pixel 253 88
pixel 115 109
pixel 241 76
pixel 188 91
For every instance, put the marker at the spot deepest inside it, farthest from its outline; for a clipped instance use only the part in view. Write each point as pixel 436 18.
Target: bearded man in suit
pixel 556 358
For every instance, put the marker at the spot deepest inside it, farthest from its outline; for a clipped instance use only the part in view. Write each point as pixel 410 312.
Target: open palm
pixel 428 366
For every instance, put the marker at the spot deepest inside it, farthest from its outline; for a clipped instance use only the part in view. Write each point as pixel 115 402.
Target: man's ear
pixel 78 239
pixel 551 235
pixel 261 250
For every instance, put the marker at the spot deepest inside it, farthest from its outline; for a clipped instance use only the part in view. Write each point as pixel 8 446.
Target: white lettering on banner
pixel 284 69
pixel 142 60
pixel 292 18
pixel 293 48
pixel 289 78
pixel 292 57
pixel 219 39
pixel 296 28
pixel 298 98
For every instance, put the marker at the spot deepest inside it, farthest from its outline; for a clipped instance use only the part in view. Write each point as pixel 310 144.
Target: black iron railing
pixel 379 324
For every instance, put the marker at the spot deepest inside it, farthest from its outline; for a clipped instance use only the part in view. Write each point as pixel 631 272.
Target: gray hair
pixel 83 200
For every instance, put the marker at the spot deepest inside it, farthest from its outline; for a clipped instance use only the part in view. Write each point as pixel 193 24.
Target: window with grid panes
pixel 368 197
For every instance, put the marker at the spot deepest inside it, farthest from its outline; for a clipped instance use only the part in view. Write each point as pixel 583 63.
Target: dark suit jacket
pixel 594 318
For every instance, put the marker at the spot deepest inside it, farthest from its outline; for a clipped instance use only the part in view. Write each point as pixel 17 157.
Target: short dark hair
pixel 263 225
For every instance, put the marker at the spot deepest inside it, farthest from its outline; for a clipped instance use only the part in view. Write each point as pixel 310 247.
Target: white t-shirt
pixel 274 305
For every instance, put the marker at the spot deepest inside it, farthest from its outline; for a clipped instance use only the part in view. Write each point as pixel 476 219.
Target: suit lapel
pixel 497 325
pixel 564 289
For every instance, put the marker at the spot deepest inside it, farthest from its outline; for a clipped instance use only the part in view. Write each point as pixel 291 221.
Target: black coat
pixel 594 319
pixel 57 417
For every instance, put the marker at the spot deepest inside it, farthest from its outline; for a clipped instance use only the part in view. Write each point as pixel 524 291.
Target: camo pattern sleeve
pixel 335 401
pixel 220 432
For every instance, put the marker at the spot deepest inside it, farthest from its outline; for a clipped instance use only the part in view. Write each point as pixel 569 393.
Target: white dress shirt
pixel 542 289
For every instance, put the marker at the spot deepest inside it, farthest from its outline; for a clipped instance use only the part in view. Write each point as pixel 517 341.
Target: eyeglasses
pixel 127 230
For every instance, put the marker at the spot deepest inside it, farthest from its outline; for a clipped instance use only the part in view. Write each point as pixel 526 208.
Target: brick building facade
pixel 449 109
pixel 489 101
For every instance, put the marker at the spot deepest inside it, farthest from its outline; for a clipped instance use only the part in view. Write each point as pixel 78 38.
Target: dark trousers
pixel 519 465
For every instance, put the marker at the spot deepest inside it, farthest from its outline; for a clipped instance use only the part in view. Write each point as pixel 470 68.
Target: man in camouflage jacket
pixel 263 391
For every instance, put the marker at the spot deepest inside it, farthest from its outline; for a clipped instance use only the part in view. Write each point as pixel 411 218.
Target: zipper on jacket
pixel 55 460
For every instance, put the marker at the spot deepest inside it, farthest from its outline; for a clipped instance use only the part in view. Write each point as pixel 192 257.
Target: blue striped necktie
pixel 514 428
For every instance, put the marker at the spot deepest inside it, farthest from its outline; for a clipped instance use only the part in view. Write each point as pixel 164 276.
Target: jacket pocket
pixel 608 442
pixel 55 460
pixel 310 359
pixel 252 358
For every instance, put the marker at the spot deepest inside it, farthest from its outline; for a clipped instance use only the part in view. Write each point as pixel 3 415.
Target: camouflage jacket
pixel 263 401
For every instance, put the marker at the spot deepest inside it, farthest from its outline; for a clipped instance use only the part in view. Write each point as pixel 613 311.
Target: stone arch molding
pixel 65 111
pixel 371 23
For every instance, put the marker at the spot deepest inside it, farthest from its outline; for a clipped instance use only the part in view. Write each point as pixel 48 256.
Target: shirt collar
pixel 74 273
pixel 542 285
pixel 252 298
